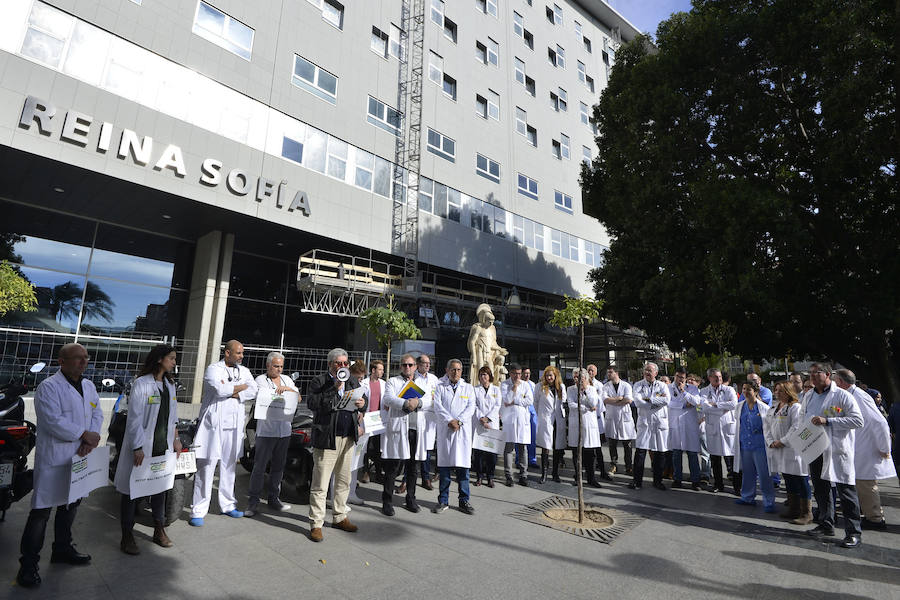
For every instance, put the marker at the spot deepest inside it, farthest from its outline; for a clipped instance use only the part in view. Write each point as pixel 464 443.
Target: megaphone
pixel 343 374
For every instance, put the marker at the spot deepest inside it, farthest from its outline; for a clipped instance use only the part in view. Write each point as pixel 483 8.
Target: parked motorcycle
pixel 299 463
pixel 17 440
pixel 186 429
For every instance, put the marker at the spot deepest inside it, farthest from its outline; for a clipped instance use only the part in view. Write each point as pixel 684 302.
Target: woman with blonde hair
pixel 783 419
pixel 550 406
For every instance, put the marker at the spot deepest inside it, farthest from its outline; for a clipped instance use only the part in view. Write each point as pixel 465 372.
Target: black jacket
pixel 321 399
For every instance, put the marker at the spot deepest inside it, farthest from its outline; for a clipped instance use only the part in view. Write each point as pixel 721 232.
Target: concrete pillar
pixel 208 301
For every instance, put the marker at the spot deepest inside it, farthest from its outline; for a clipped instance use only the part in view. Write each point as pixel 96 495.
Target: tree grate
pixel 600 524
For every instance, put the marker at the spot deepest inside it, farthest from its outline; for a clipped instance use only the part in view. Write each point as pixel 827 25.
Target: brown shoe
pixel 364 477
pixel 128 545
pixel 345 525
pixel 402 489
pixel 427 484
pixel 315 534
pixel 159 535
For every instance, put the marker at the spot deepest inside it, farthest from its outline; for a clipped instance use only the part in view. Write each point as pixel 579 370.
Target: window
pixel 449 87
pixel 556 149
pixel 579 33
pixel 557 57
pixel 554 15
pixel 586 155
pixel 564 145
pixel 562 201
pixel 518 24
pixel 441 145
pixel 585 116
pixel 589 82
pixel 292 150
pixel 314 79
pixel 365 165
pixel 437 12
pixel 528 187
pixel 215 26
pixel 487 53
pixel 394 41
pixel 435 68
pixel 488 7
pixel 487 168
pixel 379 43
pixel 488 107
pixel 332 11
pixel 449 30
pixel 581 71
pixel 559 101
pixel 523 128
pixel 524 79
pixel 454 205
pixel 426 194
pixel 337 158
pixel 587 45
pixel 481 106
pixel 383 116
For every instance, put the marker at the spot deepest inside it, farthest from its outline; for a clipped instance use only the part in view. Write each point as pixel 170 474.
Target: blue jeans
pixel 797 484
pixel 462 478
pixel 693 465
pixel 754 464
pixel 532 448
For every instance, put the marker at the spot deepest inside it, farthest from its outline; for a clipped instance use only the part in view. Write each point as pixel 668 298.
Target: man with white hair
pixel 272 439
pixel 872 452
pixel 454 407
pixel 652 399
pixel 227 385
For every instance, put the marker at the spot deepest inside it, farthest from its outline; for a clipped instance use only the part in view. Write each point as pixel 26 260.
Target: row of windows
pixel 98 58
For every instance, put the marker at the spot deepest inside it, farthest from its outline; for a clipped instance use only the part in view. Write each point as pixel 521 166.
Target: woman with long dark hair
pixel 487 416
pixel 149 431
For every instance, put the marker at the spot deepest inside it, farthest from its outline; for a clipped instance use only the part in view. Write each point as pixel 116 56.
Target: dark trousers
pixel 36 526
pixel 825 500
pixel 392 467
pixel 373 455
pixel 796 484
pixel 127 506
pixel 270 451
pixel 614 452
pixel 656 463
pixel 485 464
pixel 718 480
pixel 589 455
pixel 693 465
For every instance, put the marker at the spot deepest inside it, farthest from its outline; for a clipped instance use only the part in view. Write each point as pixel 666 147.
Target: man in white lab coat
pixel 69 419
pixel 619 421
pixel 684 428
pixel 652 399
pixel 399 443
pixel 871 452
pixel 423 422
pixel 828 406
pixel 227 385
pixel 454 406
pixel 516 397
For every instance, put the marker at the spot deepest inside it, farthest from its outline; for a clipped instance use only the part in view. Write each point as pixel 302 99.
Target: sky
pixel 646 14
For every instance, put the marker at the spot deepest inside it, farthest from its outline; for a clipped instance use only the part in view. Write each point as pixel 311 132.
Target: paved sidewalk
pixel 691 544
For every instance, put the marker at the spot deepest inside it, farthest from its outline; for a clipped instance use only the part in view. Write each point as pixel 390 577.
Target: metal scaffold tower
pixel 408 148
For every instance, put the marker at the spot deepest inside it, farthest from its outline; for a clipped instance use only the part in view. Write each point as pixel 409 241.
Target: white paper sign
pixel 154 475
pixel 359 452
pixel 89 473
pixel 372 422
pixel 275 407
pixel 809 441
pixel 186 463
pixel 489 440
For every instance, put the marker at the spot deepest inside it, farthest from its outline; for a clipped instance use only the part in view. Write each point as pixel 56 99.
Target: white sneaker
pixel 354 499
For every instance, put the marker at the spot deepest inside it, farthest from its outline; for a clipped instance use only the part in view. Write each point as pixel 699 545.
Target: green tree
pixel 577 312
pixel 388 324
pixel 746 172
pixel 16 293
pixel 720 333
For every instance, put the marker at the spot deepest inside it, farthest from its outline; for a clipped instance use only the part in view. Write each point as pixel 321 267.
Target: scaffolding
pixel 408 147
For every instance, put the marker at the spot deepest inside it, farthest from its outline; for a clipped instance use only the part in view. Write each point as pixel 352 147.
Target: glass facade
pixel 92 278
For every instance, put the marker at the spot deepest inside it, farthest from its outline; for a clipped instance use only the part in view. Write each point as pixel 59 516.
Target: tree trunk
pixel 580 441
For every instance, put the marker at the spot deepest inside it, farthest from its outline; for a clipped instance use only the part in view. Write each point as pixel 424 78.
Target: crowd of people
pixel 438 427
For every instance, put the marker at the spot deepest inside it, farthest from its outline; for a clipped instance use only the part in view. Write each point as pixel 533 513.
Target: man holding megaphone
pixel 334 435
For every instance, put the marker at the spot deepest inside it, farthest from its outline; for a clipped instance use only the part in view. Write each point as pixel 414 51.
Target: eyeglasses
pixel 408 365
pixel 342 363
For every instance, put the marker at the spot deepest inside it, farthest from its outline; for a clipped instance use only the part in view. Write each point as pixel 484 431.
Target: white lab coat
pixel 220 414
pixel 590 429
pixel 619 421
pixel 873 438
pixel 454 448
pixel 718 409
pixel 601 408
pixel 487 404
pixel 267 428
pixel 844 417
pixel 763 411
pixel 62 416
pixel 652 400
pixel 778 425
pixel 424 420
pixel 395 438
pixel 549 409
pixel 140 426
pixel 684 419
pixel 516 418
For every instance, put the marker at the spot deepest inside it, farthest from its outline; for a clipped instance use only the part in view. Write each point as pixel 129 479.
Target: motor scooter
pixel 17 439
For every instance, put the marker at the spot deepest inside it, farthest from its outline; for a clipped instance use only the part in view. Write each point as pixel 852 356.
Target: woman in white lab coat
pixel 750 451
pixel 590 428
pixel 782 420
pixel 551 409
pixel 149 431
pixel 487 416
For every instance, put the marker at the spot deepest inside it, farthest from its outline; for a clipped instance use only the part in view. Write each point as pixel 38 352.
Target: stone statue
pixel 483 347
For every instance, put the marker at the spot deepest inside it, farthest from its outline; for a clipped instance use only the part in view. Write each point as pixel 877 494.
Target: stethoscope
pixel 237 373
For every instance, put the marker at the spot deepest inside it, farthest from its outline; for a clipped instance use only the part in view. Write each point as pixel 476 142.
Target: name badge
pixel 153 399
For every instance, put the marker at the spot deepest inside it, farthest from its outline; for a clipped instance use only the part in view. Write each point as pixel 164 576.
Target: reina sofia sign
pixel 77 128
